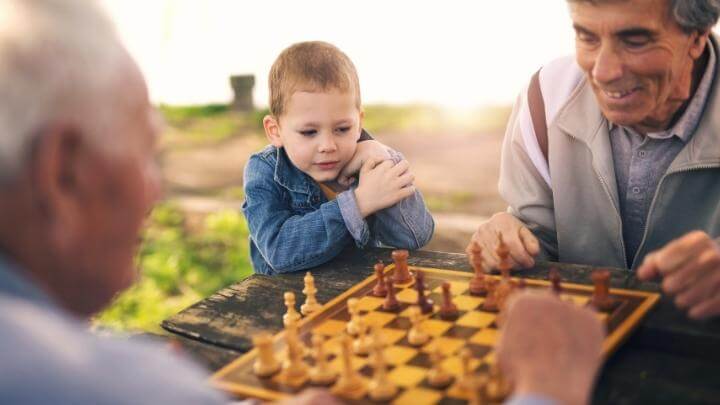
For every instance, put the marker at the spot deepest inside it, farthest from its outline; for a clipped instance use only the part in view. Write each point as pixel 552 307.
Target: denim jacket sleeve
pixel 289 241
pixel 407 224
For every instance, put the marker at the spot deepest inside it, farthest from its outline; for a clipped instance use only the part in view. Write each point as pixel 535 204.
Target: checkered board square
pixel 408 365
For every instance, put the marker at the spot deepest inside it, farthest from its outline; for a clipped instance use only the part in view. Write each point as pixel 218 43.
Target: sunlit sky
pixel 450 53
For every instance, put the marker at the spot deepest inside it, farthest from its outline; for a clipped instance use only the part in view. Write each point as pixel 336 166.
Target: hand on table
pixel 365 150
pixel 690 271
pixel 521 242
pixel 383 184
pixel 550 347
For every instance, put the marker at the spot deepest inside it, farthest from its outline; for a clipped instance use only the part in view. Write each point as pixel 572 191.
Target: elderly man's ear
pixel 61 171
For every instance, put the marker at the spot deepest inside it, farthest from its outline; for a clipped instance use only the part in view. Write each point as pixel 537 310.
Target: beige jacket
pixel 571 204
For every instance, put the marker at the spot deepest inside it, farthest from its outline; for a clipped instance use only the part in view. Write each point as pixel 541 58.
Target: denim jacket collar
pixel 289 176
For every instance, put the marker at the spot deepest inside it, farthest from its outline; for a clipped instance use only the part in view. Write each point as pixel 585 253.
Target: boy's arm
pixel 288 241
pixel 407 224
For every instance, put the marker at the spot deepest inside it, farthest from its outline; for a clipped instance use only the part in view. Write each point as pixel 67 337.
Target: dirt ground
pixel 456 172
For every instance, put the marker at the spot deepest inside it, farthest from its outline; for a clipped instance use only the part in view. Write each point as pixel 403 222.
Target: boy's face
pixel 319 131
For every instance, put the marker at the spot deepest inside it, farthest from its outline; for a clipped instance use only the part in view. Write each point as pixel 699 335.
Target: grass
pixel 453 201
pixel 180 267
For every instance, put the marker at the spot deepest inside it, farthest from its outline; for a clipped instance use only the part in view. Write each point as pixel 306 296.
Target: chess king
pixel 618 164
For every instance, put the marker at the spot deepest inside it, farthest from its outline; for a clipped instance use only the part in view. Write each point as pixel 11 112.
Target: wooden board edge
pixel 623 331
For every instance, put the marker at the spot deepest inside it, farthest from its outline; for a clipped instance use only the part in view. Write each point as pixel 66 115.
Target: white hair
pixel 56 58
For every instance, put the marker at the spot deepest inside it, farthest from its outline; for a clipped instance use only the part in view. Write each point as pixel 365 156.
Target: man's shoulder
pixel 51 357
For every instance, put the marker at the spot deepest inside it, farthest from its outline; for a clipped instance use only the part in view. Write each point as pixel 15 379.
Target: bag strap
pixel 537 113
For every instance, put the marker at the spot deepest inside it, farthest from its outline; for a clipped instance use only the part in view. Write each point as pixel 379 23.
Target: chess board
pixel 474 329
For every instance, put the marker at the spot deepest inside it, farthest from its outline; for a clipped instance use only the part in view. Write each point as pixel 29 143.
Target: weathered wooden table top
pixel 669 359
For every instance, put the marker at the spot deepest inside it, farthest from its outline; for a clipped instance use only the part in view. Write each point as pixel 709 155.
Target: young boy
pixel 299 216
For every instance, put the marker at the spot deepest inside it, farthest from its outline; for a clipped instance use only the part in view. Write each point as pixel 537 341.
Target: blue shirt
pixel 47 356
pixel 293 226
pixel 640 161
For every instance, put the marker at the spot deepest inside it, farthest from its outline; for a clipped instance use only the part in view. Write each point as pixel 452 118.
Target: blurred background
pixel 438 80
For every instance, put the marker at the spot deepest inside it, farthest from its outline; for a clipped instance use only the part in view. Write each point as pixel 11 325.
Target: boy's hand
pixel 365 150
pixel 383 184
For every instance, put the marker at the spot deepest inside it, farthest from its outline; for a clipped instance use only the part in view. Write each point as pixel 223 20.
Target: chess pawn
pixel 497 388
pixel 555 280
pixel 266 364
pixel 438 377
pixel 490 304
pixel 292 315
pixel 311 305
pixel 350 384
pixel 391 303
pixel 448 310
pixel 601 299
pixel 361 345
pixel 402 273
pixel 380 388
pixel 425 304
pixel 416 336
pixel 353 326
pixel 321 373
pixel 380 289
pixel 467 378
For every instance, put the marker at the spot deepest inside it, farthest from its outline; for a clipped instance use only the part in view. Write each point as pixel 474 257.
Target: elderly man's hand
pixel 312 396
pixel 521 242
pixel 550 347
pixel 690 270
pixel 365 151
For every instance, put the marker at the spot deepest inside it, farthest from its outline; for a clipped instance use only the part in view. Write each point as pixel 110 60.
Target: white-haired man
pixel 77 177
pixel 613 157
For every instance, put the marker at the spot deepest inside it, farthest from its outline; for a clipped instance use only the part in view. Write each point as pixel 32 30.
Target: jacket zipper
pixel 618 218
pixel 652 203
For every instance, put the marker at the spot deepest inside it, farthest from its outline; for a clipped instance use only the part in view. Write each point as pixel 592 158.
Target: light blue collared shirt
pixel 47 356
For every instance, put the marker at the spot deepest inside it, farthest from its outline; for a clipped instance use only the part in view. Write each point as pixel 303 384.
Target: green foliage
pixel 180 267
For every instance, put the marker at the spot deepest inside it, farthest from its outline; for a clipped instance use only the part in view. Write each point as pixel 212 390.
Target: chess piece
pixel 503 253
pixel 425 304
pixel 266 364
pixel 380 289
pixel 353 326
pixel 381 388
pixel 311 305
pixel 521 284
pixel 490 304
pixel 448 310
pixel 466 381
pixel 503 290
pixel 350 384
pixel 391 303
pixel 555 280
pixel 477 283
pixel 362 343
pixel 321 373
pixel 292 315
pixel 601 299
pixel 497 388
pixel 438 377
pixel 294 368
pixel 416 336
pixel 402 273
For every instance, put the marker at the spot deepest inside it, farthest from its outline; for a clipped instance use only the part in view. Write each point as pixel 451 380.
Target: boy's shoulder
pixel 267 154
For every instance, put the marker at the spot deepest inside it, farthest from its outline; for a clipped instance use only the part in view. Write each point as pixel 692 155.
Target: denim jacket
pixel 293 226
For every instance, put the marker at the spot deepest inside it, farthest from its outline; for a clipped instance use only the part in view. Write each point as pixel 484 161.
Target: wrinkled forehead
pixel 619 14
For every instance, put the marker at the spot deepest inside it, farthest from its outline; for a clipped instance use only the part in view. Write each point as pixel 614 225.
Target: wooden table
pixel 669 359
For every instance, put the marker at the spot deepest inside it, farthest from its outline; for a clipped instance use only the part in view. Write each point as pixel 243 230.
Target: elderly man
pixel 621 166
pixel 77 177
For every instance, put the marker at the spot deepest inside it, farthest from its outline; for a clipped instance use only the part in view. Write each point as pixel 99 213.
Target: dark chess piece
pixel 391 303
pixel 380 289
pixel 448 310
pixel 402 273
pixel 425 304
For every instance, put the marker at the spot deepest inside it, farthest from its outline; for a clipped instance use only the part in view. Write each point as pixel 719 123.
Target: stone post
pixel 242 86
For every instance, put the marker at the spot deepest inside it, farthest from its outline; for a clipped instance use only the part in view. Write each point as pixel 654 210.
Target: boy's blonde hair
pixel 310 66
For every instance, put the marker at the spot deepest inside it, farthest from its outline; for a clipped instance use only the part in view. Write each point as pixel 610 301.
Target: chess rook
pixel 601 299
pixel 402 273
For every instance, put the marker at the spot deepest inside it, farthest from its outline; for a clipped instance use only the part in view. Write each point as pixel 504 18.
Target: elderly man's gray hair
pixel 56 59
pixel 691 15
